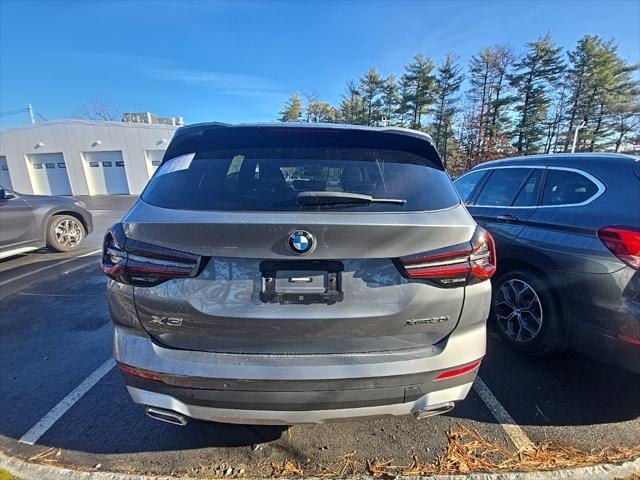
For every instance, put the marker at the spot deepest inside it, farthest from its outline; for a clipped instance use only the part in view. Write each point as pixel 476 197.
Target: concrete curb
pixel 33 471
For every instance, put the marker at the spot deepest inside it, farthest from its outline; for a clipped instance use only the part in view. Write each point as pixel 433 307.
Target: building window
pixel 37 166
pixel 62 165
pixel 93 164
pixel 106 164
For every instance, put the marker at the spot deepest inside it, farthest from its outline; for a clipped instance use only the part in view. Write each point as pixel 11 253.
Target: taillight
pixel 624 243
pixel 136 263
pixel 455 265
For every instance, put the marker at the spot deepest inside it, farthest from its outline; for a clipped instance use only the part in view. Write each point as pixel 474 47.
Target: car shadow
pixel 567 389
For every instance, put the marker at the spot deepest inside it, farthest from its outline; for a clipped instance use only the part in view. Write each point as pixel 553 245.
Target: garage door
pixel 154 157
pixel 5 177
pixel 48 174
pixel 105 173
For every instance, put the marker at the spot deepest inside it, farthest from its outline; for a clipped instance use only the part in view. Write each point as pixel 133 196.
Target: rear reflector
pixel 455 265
pixel 624 243
pixel 458 371
pixel 137 372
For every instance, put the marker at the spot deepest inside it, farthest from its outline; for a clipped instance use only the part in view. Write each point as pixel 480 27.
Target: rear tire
pixel 527 313
pixel 65 233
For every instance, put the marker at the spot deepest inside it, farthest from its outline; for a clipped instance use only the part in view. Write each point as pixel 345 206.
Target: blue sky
pixel 239 61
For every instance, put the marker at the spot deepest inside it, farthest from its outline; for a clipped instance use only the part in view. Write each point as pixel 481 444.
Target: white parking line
pixel 48 267
pixel 517 435
pixel 65 404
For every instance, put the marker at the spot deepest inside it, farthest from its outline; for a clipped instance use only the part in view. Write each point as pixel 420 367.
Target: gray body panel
pixel 600 295
pixel 220 309
pixel 24 218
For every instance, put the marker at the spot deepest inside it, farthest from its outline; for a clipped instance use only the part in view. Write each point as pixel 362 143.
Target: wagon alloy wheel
pixel 518 310
pixel 68 232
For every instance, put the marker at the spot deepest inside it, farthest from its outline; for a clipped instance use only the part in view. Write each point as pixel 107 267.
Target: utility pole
pixel 30 109
pixel 575 137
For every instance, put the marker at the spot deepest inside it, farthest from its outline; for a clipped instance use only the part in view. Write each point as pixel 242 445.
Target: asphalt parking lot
pixel 56 341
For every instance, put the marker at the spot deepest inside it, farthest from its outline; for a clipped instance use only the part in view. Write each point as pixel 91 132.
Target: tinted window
pixel 563 187
pixel 502 187
pixel 269 179
pixel 466 184
pixel 528 195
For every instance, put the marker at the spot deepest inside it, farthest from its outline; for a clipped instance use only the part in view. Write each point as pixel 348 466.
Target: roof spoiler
pixel 220 136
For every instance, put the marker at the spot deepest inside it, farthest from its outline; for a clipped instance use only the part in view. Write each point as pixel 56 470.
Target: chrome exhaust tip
pixel 432 410
pixel 168 416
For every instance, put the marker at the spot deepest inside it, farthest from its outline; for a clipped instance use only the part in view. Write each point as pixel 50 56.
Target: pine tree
pixel 448 82
pixel 390 99
pixel 601 91
pixel 421 87
pixel 534 75
pixel 322 112
pixel 352 108
pixel 292 111
pixel 502 59
pixel 616 92
pixel 371 88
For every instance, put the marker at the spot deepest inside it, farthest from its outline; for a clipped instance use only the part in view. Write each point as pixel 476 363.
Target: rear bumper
pixel 287 389
pixel 432 403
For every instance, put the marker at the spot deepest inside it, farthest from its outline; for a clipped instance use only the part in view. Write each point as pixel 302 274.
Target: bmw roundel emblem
pixel 301 241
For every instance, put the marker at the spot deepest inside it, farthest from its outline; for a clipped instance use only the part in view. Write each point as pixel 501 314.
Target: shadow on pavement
pixel 561 390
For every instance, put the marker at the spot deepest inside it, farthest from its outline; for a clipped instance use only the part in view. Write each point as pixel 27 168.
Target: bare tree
pixel 99 109
pixel 312 98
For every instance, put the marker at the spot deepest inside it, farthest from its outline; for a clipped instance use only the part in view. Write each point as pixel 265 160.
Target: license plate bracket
pixel 301 281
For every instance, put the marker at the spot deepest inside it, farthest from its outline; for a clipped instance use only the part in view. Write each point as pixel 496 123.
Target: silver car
pixel 30 222
pixel 281 274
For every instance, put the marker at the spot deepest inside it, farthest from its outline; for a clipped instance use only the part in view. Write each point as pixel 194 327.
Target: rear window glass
pixel 564 187
pixel 270 179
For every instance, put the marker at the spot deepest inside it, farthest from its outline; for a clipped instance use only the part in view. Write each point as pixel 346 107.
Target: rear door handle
pixel 508 218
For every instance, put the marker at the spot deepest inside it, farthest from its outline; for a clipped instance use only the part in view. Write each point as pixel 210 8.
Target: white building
pixel 82 157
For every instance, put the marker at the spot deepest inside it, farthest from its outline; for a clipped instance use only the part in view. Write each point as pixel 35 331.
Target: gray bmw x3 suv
pixel 280 274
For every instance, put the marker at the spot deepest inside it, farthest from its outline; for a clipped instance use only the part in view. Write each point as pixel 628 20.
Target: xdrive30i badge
pixel 301 241
pixel 426 321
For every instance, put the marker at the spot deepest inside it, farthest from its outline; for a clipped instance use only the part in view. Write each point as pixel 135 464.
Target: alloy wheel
pixel 518 310
pixel 68 232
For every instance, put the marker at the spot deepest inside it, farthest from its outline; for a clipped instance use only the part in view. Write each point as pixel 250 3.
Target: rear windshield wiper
pixel 342 198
